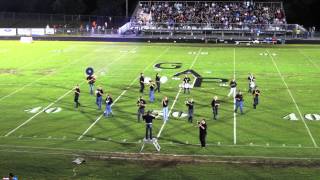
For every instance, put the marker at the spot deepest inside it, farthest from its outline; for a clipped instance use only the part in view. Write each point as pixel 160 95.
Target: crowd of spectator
pixel 225 13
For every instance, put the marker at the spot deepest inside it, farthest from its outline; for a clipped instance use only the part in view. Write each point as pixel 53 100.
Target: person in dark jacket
pixel 148 118
pixel 202 132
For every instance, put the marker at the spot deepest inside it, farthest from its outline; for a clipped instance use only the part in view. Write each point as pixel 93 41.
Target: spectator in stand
pixel 230 14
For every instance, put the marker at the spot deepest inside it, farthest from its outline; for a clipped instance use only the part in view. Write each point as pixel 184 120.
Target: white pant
pixel 232 91
pixel 165 113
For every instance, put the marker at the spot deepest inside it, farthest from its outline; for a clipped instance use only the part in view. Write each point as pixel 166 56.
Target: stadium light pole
pixel 127 7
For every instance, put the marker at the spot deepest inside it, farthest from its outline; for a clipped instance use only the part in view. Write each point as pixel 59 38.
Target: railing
pixel 160 33
pixel 192 30
pixel 259 28
pixel 177 1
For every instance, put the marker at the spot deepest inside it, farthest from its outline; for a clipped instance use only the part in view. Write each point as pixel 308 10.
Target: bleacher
pixel 181 18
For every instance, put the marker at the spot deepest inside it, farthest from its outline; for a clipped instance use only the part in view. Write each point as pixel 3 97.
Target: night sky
pixel 297 11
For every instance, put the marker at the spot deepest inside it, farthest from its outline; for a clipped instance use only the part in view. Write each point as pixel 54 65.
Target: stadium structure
pixel 182 21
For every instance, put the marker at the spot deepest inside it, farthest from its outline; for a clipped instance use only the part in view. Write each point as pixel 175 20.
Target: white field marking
pixel 162 154
pixel 35 61
pixel 299 146
pixel 51 104
pixel 294 101
pixel 31 152
pixel 30 119
pixel 45 76
pixel 48 75
pixel 177 96
pixel 234 100
pixel 74 172
pixel 195 59
pixel 309 59
pixel 123 92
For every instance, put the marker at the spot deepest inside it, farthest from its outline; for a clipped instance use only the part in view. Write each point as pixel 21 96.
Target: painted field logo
pixel 198 79
pixel 168 65
pixel 291 117
pixel 312 117
pixel 179 114
pixel 308 117
pixel 52 110
pixel 175 114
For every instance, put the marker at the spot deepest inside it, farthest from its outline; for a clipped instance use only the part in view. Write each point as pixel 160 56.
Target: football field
pixel 38 113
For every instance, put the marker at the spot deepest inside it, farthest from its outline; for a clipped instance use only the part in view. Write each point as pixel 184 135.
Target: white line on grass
pixel 51 104
pixel 234 101
pixel 169 143
pixel 153 154
pixel 177 96
pixel 48 75
pixel 294 101
pixel 132 82
pixel 309 59
pixel 30 119
pixel 45 76
pixel 35 61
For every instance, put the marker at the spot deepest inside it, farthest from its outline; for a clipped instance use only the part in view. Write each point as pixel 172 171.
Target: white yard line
pixel 293 100
pixel 309 59
pixel 35 61
pixel 177 96
pixel 168 143
pixel 45 76
pixel 73 151
pixel 165 122
pixel 234 101
pixel 30 119
pixel 132 82
pixel 51 104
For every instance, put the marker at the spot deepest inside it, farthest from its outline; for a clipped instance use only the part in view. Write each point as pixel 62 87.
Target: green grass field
pixel 40 76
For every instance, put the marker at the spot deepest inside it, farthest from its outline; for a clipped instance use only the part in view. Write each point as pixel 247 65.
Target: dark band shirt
pixel 77 92
pixel 141 79
pixel 141 103
pixel 239 97
pixel 256 93
pixel 151 87
pixel 186 80
pixel 215 103
pixel 203 131
pixel 190 104
pixel 91 79
pixel 148 118
pixel 251 78
pixel 109 100
pixel 165 103
pixel 99 92
pixel 158 78
pixel 233 84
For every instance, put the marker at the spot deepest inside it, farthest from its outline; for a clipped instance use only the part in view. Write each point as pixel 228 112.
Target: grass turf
pixel 43 73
